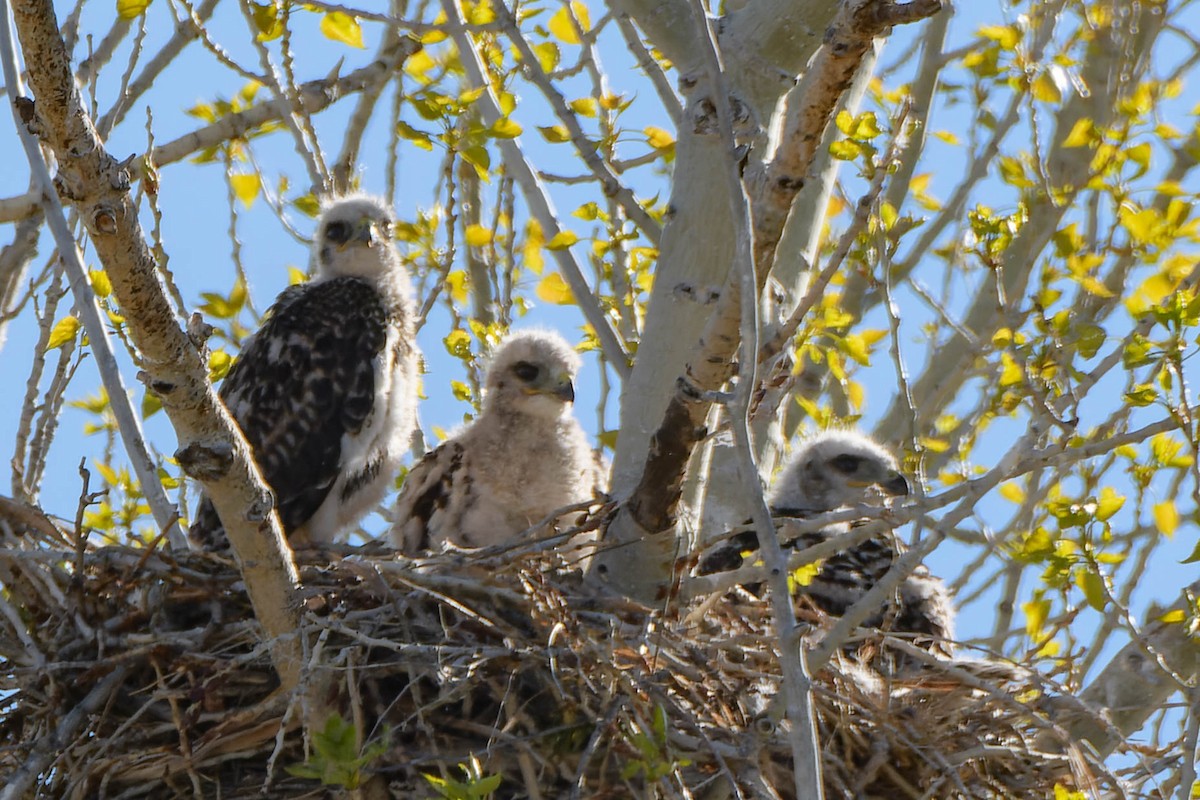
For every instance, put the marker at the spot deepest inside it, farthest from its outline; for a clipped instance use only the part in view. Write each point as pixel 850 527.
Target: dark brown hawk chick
pixel 325 391
pixel 832 470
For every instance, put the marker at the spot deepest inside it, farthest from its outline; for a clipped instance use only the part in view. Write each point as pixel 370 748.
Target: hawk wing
pixel 433 498
pixel 302 382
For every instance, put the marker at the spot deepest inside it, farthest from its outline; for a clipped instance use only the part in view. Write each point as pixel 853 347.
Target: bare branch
pixel 212 450
pixel 536 196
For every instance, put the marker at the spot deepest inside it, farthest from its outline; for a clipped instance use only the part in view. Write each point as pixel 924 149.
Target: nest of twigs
pixel 132 672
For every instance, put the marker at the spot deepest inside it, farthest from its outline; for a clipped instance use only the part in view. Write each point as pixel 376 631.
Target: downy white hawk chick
pixel 521 459
pixel 838 468
pixel 325 391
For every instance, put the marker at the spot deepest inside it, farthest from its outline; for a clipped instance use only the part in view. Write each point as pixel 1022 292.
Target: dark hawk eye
pixel 525 371
pixel 337 232
pixel 846 463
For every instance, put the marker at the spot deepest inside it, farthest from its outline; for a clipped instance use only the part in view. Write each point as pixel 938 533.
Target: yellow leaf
pixel 1174 616
pixel 108 473
pixel 658 138
pixel 946 136
pixel 1063 793
pixel 1082 132
pixel 1036 613
pixel 63 332
pixel 456 285
pixel 1043 89
pixel 131 9
pixel 505 129
pixel 547 56
pixel 101 285
pixel 804 576
pixel 419 63
pixel 553 289
pixel 478 235
pixel 555 134
pixel 563 29
pixel 480 13
pixel 934 445
pixel 1012 493
pixel 1166 517
pixel 1011 373
pixel 535 240
pixel 219 363
pixel 562 240
pixel 246 187
pixel 341 27
pixel 585 106
pixel 458 343
pixel 1108 503
pixel 1007 36
pixel 855 394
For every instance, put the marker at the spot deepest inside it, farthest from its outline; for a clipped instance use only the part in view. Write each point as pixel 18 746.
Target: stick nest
pixel 138 673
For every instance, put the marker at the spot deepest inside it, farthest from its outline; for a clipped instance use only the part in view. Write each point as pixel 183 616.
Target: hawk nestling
pixel 325 391
pixel 843 468
pixel 521 459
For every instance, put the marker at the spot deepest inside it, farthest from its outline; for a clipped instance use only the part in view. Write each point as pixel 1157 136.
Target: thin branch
pixel 535 195
pixel 610 184
pixel 802 731
pixel 128 421
pixel 212 449
pixel 20 782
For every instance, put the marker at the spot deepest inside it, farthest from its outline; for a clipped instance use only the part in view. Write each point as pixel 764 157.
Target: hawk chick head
pixel 834 469
pixel 354 239
pixel 531 374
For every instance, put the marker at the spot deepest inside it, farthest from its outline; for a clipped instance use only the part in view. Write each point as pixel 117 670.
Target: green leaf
pixel 341 27
pixel 1142 395
pixel 63 332
pixel 151 405
pixel 307 205
pixel 1093 588
pixel 132 9
pixel 266 19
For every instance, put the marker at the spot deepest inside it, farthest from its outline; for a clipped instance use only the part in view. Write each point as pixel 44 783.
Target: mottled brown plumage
pixel 325 390
pixel 831 470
